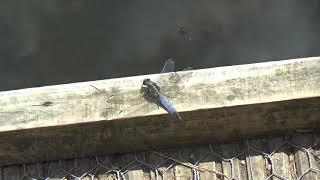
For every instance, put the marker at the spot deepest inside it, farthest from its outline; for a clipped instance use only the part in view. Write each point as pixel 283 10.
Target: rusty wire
pixel 110 166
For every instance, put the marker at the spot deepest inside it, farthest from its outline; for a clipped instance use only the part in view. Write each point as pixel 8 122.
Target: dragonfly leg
pixel 166 95
pixel 95 87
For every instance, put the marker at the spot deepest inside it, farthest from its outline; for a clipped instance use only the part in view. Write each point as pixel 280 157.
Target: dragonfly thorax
pixel 154 89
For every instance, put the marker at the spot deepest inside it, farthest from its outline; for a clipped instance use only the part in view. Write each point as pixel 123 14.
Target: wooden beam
pixel 216 104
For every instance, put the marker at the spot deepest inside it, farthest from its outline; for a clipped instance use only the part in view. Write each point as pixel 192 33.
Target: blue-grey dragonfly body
pixel 155 93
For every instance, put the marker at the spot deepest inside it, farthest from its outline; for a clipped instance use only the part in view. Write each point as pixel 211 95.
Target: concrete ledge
pixel 217 104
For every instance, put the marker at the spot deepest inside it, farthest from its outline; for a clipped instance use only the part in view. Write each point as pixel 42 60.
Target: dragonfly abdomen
pixel 168 106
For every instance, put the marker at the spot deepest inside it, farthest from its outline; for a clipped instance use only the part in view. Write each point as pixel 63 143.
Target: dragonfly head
pixel 146 81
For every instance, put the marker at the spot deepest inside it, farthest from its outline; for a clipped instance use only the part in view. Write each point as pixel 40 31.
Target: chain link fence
pixel 295 156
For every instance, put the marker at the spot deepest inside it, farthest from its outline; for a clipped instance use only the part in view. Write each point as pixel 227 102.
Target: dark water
pixel 56 41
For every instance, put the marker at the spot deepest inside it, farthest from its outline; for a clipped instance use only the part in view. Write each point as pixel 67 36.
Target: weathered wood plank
pixel 135 174
pixel 292 167
pixel 10 173
pixel 226 102
pixel 256 164
pixel 54 169
pixel 210 165
pixel 182 173
pixel 166 166
pixel 138 171
pixel 303 163
pixel 30 171
pixel 231 168
pixel 280 158
pixel 158 165
pixel 243 167
pixel 208 162
pixel 315 156
pixel 187 156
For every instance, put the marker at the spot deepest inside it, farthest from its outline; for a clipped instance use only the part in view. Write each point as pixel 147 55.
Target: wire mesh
pixel 287 157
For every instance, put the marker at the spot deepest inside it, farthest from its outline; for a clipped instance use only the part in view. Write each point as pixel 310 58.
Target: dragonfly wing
pixel 167 82
pixel 168 66
pixel 168 106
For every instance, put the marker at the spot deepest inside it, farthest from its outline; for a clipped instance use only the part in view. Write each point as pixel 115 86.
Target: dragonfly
pixel 154 91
